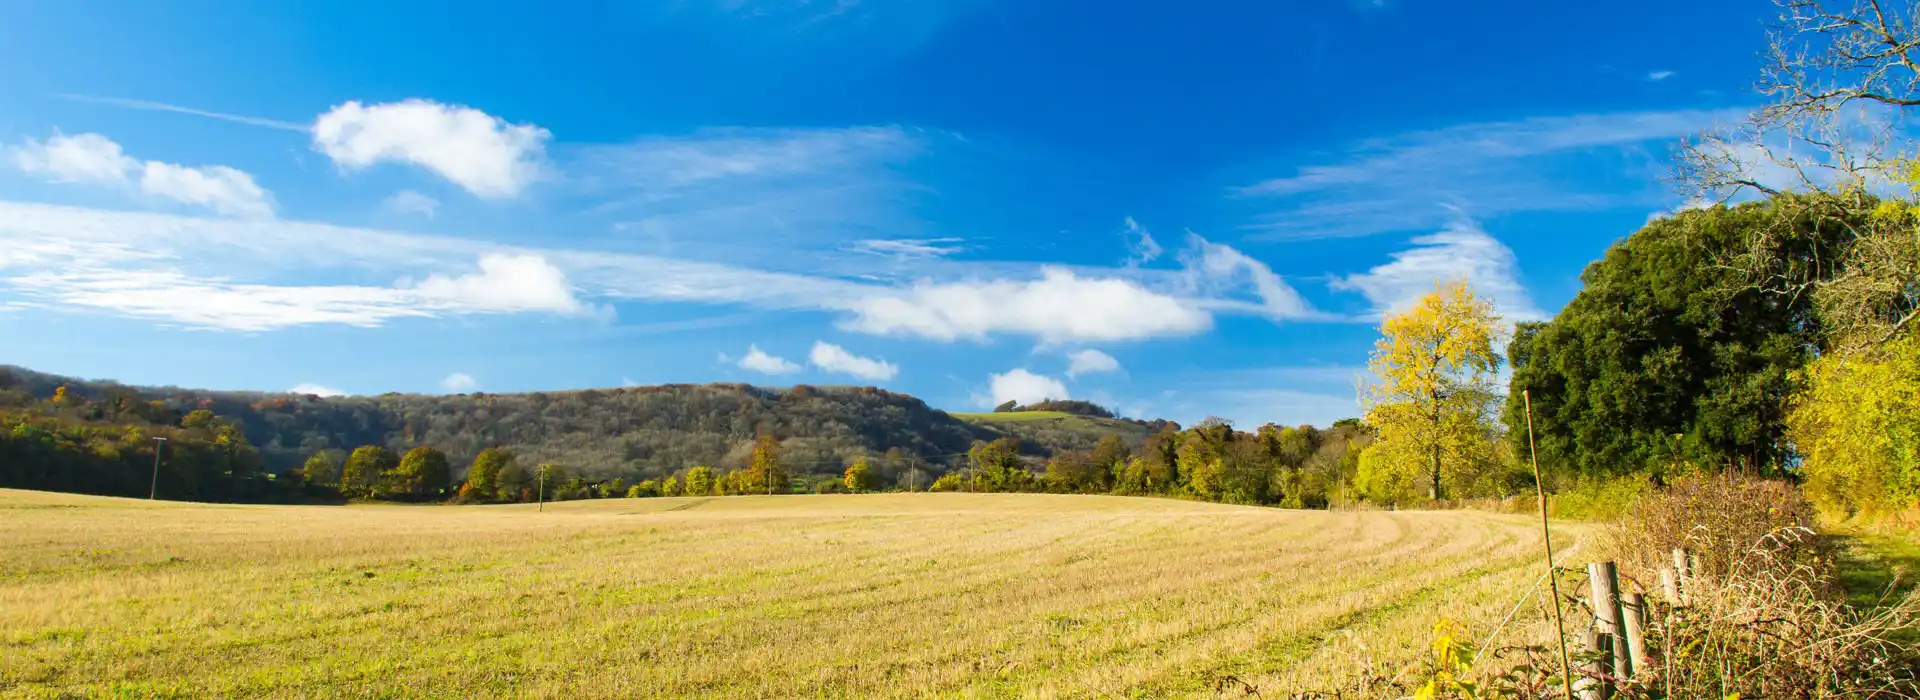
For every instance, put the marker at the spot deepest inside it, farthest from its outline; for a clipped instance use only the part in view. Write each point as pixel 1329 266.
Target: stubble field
pixel 903 595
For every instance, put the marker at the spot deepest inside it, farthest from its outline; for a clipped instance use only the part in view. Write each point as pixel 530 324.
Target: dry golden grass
pixel 907 595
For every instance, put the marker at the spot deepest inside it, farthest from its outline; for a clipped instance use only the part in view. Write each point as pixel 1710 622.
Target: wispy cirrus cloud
pixel 1415 181
pixel 162 267
pixel 733 191
pixel 151 106
pixel 908 248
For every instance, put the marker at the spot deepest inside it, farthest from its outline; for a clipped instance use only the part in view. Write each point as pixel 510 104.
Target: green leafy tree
pixel 996 466
pixel 1668 353
pixel 1069 472
pixel 516 483
pixel 950 481
pixel 671 486
pixel 422 474
pixel 484 475
pixel 1108 459
pixel 1433 391
pixel 860 478
pixel 323 469
pixel 365 471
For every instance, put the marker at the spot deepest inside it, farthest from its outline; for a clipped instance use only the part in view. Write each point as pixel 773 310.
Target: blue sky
pixel 1178 210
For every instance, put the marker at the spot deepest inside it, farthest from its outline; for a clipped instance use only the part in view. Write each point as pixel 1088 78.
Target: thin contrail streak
pixel 164 107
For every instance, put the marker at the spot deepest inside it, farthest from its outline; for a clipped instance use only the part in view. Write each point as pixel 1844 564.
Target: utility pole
pixel 543 488
pixel 154 489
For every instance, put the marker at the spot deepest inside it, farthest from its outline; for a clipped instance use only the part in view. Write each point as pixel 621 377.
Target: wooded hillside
pixel 636 432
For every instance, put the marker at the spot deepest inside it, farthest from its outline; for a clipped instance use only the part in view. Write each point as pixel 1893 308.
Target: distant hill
pixel 1059 430
pixel 635 432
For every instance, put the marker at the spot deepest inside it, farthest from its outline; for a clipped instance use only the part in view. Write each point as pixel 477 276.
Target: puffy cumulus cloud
pixel 411 202
pixel 759 361
pixel 315 390
pixel 1462 251
pixel 93 158
pixel 833 358
pixel 458 383
pixel 1058 307
pixel 78 158
pixel 220 188
pixel 505 282
pixel 1090 362
pixel 1024 387
pixel 475 150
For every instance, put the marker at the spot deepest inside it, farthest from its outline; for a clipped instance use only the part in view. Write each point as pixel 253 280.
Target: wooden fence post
pixel 1683 572
pixel 1633 609
pixel 1603 586
pixel 1589 685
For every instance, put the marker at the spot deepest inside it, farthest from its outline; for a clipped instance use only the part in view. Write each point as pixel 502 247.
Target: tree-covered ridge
pixel 635 432
pixel 1073 406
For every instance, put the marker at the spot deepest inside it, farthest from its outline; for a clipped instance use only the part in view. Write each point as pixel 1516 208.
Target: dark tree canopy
pixel 1669 352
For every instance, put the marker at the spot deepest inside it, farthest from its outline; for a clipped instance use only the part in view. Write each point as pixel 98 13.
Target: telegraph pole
pixel 154 489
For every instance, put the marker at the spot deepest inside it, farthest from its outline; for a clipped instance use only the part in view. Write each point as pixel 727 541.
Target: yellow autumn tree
pixel 1857 428
pixel 1432 396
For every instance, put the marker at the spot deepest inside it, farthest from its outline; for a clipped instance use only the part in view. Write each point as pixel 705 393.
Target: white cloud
pixel 761 362
pixel 1090 362
pixel 218 187
pixel 669 165
pixel 1141 248
pixel 79 158
pixel 1215 269
pixel 458 383
pixel 1461 251
pixel 908 247
pixel 1407 182
pixel 475 150
pixel 138 282
pixel 97 159
pixel 411 202
pixel 1024 387
pixel 215 303
pixel 628 382
pixel 833 358
pixel 505 283
pixel 316 390
pixel 234 274
pixel 1058 307
pixel 1659 75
